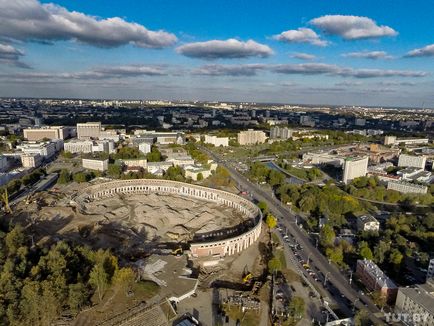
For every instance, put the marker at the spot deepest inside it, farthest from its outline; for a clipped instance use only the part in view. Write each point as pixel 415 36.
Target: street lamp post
pixel 325 278
pixel 351 277
pixel 308 258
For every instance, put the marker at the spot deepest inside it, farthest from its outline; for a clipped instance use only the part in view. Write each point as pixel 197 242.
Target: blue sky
pixel 314 52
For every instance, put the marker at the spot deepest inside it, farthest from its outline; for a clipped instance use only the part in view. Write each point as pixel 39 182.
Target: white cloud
pixel 301 35
pixel 427 51
pixel 29 20
pixel 11 56
pixel 228 49
pixel 303 56
pixel 327 69
pixel 373 55
pixel 352 27
pixel 229 70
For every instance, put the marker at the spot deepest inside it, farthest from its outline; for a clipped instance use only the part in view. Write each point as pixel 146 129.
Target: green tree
pixel 64 177
pixel 296 308
pixel 271 221
pixel 365 251
pixel 335 255
pixel 80 177
pixel 114 171
pixel 263 206
pixel 154 155
pixel 327 236
pixel 77 296
pixel 199 176
pixel 274 265
pixel 99 280
pixel 395 257
pixel 380 251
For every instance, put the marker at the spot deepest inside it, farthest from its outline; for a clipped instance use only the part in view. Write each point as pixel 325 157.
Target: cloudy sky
pixel 315 52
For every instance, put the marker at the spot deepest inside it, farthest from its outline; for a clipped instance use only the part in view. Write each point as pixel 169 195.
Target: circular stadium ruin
pixel 159 213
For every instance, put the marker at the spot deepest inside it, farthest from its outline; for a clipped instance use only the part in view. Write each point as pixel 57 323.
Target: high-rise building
pixel 251 137
pixel 354 167
pixel 88 130
pixel 412 161
pixel 279 132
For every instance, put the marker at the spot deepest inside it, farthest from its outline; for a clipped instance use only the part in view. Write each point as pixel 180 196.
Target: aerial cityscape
pixel 216 163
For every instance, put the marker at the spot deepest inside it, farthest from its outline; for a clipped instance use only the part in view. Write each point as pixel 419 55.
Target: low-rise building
pixel 95 164
pixel 367 223
pixel 31 160
pixel 407 187
pixel 89 146
pixel 217 141
pixel 45 149
pixel 158 168
pixel 52 132
pixel 415 305
pixel 430 269
pixel 371 276
pixel 4 164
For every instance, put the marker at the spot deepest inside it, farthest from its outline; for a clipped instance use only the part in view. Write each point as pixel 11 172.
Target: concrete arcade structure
pixel 224 242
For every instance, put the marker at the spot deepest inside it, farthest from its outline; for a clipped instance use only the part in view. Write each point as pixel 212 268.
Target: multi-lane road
pixel 339 282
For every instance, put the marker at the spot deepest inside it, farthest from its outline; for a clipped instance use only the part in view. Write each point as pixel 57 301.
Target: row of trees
pixel 370 188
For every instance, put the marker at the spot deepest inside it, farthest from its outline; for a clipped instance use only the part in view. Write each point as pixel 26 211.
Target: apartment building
pixel 354 167
pixel 415 305
pixel 251 137
pixel 406 160
pixel 88 130
pixel 407 187
pixel 374 279
pixel 31 160
pixel 280 133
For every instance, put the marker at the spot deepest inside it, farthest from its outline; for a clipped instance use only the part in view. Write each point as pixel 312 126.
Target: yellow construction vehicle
pixel 177 252
pixel 247 278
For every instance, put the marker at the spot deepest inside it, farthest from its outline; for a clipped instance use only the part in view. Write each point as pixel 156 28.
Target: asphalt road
pixel 334 276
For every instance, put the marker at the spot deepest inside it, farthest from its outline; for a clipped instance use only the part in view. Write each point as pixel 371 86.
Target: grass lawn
pixel 247 318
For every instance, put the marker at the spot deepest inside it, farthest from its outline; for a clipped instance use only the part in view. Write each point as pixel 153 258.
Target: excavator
pixel 177 252
pixel 247 276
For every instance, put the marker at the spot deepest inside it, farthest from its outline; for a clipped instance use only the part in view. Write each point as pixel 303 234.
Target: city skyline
pixel 315 53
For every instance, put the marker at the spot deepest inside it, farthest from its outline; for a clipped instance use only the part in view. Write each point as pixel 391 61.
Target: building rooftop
pixel 422 294
pixel 372 269
pixel 367 218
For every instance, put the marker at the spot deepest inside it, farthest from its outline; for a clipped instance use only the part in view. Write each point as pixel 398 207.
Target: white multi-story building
pixel 31 160
pixel 217 141
pixel 95 164
pixel 412 161
pixel 90 146
pixel 323 158
pixel 88 130
pixel 251 137
pixel 52 132
pixel 145 148
pixel 280 133
pixel 368 223
pixel 407 187
pixel 415 305
pixel 393 140
pixel 354 167
pixel 47 149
